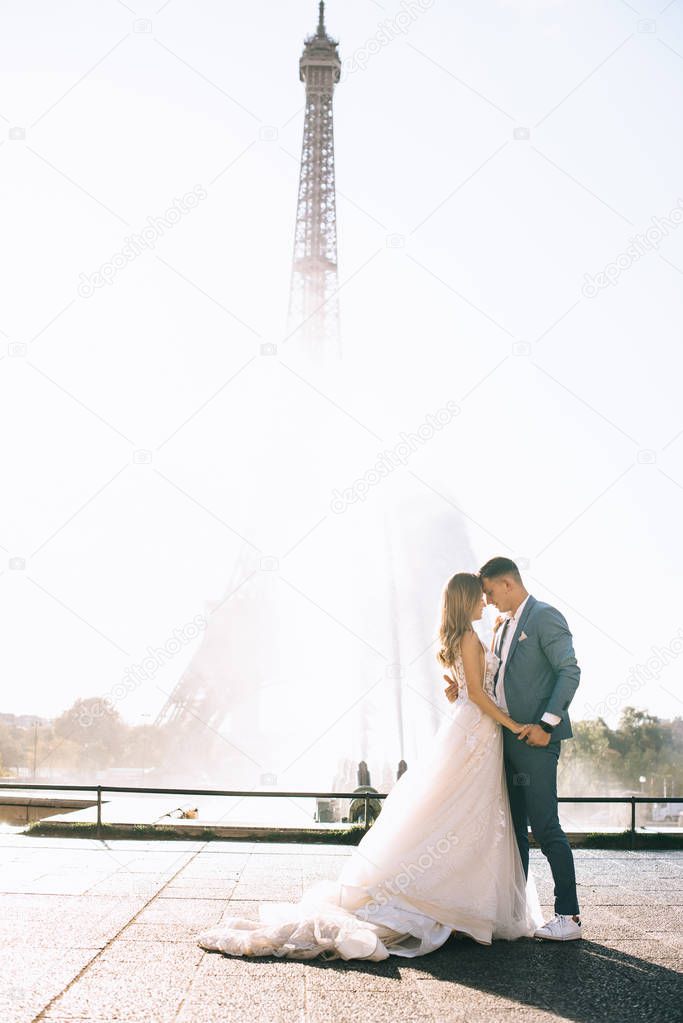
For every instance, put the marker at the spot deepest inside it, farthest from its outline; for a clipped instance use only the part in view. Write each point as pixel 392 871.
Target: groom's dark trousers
pixel 531 775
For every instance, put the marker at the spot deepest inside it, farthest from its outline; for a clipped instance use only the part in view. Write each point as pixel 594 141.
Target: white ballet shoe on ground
pixel 562 927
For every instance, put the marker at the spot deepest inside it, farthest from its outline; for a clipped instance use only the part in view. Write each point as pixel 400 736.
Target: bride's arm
pixel 472 653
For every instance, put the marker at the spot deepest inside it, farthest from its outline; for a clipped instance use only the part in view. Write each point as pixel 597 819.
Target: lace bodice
pixel 492 662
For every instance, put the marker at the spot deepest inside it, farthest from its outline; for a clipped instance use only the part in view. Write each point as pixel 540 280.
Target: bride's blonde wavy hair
pixel 461 597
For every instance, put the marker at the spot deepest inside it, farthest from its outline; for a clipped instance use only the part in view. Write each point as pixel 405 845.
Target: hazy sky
pixel 509 201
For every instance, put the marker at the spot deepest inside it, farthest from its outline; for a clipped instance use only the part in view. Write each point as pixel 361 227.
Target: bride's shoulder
pixel 469 640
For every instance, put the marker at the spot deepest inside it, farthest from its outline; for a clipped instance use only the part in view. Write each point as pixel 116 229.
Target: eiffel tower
pixel 313 320
pixel 230 715
pixel 211 697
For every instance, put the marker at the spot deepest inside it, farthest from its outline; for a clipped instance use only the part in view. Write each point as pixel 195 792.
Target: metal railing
pixel 633 801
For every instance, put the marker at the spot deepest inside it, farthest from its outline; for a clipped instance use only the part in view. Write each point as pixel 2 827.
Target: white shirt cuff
pixel 552 719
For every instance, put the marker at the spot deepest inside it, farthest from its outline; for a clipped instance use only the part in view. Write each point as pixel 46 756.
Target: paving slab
pixel 136 981
pixel 107 931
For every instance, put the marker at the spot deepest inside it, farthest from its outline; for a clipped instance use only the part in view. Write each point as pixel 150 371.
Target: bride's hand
pixel 521 731
pixel 498 622
pixel 451 690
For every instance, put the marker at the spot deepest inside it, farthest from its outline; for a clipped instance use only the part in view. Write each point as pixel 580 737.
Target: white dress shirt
pixel 552 719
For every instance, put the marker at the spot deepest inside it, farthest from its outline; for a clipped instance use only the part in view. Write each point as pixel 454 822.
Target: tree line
pixel 600 760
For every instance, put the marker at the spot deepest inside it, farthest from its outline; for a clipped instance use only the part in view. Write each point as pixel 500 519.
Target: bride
pixel 442 854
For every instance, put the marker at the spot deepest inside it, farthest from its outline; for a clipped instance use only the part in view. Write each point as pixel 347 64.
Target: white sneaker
pixel 561 928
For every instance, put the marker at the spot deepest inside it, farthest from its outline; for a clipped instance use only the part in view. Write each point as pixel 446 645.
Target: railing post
pixel 99 811
pixel 365 811
pixel 633 822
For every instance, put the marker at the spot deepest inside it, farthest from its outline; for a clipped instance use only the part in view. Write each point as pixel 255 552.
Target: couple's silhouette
pixel 449 851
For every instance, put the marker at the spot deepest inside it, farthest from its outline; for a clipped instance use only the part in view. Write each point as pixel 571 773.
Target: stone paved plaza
pixel 103 931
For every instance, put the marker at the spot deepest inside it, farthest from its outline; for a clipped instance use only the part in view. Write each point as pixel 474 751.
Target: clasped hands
pixel 534 735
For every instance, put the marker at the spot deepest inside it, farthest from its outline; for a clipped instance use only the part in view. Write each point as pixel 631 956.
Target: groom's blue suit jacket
pixel 541 673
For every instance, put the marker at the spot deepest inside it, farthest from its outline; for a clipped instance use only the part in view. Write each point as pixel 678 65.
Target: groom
pixel 536 680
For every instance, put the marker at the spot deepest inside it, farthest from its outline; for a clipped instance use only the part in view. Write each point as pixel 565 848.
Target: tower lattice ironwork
pixel 314 305
pixel 211 690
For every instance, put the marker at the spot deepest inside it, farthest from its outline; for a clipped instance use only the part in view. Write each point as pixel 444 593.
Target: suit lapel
pixel 518 631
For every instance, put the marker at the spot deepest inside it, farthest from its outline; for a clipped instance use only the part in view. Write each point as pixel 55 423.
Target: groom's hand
pixel 452 690
pixel 534 735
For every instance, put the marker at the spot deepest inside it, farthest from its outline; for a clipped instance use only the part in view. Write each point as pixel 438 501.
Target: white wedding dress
pixel 441 856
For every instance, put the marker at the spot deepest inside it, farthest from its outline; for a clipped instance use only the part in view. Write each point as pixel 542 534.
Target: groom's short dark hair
pixel 496 567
